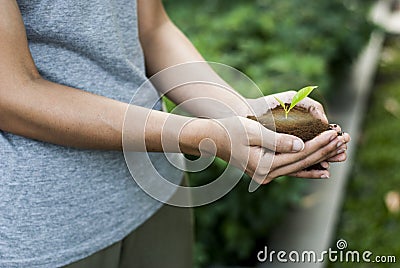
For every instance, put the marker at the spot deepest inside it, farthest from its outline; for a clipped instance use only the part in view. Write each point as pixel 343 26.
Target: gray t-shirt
pixel 58 204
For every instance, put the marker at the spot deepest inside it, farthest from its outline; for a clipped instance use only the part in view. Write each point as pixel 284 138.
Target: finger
pixel 285 143
pixel 278 142
pixel 257 162
pixel 338 158
pixel 325 164
pixel 343 139
pixel 315 157
pixel 342 145
pixel 318 112
pixel 312 174
pixel 346 137
pixel 297 168
pixel 261 173
pixel 309 174
pixel 341 150
pixel 326 139
pixel 315 108
pixel 335 127
pixel 334 153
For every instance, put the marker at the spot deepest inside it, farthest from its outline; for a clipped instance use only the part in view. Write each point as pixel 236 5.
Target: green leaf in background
pixel 301 94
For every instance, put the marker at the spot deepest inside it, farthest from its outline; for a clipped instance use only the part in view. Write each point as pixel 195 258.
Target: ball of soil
pixel 299 122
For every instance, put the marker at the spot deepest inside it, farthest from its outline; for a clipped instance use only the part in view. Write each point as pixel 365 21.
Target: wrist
pixel 246 108
pixel 195 134
pixel 256 106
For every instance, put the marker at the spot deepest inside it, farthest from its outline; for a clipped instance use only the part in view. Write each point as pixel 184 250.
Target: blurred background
pixel 285 45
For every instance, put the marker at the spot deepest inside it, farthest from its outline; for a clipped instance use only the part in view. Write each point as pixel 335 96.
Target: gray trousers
pixel 165 240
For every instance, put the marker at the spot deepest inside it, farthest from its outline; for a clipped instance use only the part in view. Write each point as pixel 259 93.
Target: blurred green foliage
pixel 280 45
pixel 366 223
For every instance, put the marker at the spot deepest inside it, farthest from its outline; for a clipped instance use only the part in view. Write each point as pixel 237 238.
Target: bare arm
pixel 164 45
pixel 33 107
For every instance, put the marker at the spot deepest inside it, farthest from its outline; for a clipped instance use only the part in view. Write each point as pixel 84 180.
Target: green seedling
pixel 301 94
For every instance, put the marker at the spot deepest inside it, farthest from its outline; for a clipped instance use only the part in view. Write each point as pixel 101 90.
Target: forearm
pixel 164 46
pixel 58 114
pixel 54 113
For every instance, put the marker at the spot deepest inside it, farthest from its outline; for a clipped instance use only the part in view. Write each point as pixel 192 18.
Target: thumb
pixel 285 143
pixel 278 142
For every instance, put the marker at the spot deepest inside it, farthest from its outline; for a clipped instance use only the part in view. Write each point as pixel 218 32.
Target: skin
pixel 33 107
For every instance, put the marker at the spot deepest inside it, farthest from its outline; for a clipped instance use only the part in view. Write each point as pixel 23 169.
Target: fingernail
pixel 339 144
pixel 298 145
pixel 324 176
pixel 325 165
pixel 340 151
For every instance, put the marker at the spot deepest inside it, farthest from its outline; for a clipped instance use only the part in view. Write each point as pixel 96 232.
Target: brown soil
pixel 299 122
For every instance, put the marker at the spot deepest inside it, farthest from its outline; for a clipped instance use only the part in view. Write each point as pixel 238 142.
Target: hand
pixel 341 152
pixel 261 105
pixel 251 147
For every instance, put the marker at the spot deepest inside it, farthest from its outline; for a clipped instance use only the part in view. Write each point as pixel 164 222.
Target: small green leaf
pixel 301 94
pixel 281 103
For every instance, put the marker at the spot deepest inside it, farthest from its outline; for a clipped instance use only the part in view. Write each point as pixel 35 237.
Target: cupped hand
pixel 264 154
pixel 261 105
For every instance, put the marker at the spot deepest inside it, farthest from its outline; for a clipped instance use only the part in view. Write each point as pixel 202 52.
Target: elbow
pixel 4 106
pixel 13 92
pixel 3 115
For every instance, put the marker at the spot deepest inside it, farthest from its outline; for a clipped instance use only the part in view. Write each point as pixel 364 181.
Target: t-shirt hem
pixel 69 256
